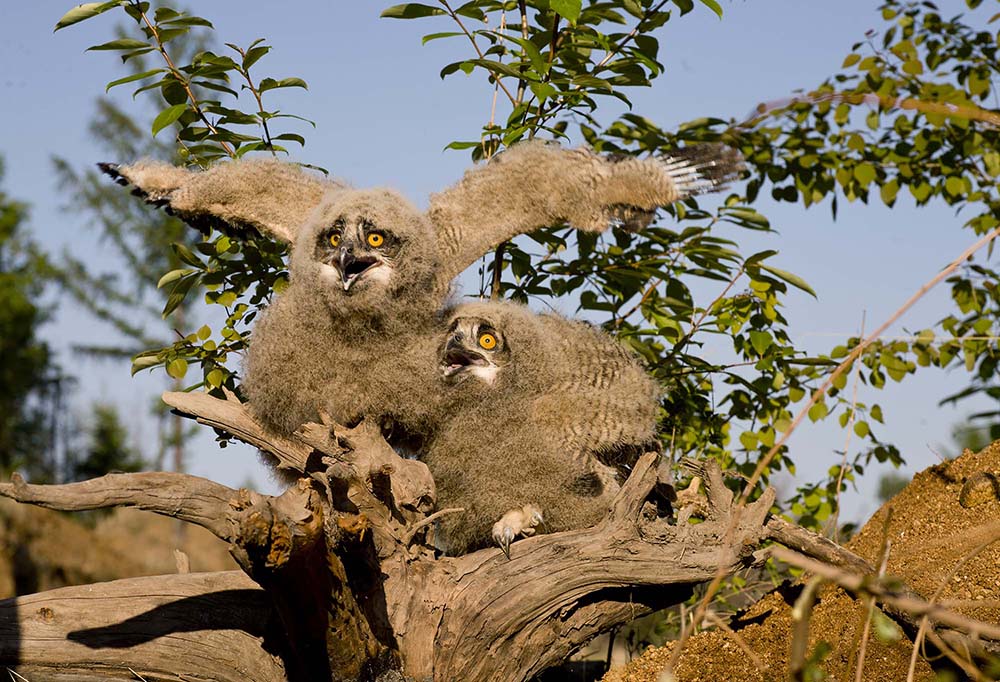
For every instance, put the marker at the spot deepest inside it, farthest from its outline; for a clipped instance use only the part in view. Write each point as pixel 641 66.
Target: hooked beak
pixel 352 267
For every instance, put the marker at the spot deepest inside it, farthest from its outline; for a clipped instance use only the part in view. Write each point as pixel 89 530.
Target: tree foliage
pixel 28 377
pixel 906 111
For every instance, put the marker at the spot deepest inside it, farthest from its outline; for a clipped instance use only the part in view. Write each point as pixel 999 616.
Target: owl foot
pixel 523 521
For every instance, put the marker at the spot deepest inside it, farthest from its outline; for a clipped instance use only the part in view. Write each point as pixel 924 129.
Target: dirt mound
pixel 934 544
pixel 42 549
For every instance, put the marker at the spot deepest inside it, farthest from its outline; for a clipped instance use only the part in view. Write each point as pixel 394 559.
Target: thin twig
pixel 475 46
pixel 870 606
pixel 495 290
pixel 801 615
pixel 182 80
pixel 423 523
pixel 696 324
pixel 260 104
pixel 522 7
pixel 835 523
pixel 968 668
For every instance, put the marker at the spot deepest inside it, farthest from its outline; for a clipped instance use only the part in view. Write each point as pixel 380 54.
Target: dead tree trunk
pixel 348 589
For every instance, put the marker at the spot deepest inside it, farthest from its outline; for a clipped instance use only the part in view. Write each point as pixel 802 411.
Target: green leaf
pixel 861 429
pixel 411 10
pixel 818 411
pixel 271 84
pixel 144 361
pixel 84 12
pixel 215 378
pixel 760 340
pixel 172 276
pixel 592 82
pixel 714 6
pixel 165 14
pixel 434 36
pixel 253 54
pixel 122 44
pixel 864 173
pixel 133 77
pixel 569 9
pixel 954 186
pixel 190 21
pixel 177 368
pixel 168 116
pixel 792 279
pixel 293 137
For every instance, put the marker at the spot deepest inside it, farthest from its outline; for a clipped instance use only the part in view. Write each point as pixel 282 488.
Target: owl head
pixel 492 346
pixel 361 248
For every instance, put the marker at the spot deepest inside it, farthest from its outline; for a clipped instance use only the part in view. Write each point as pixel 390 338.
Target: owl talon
pixel 523 521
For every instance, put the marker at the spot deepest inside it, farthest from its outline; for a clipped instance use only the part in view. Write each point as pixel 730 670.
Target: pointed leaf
pixel 122 44
pixel 168 116
pixel 133 77
pixel 84 12
pixel 411 10
pixel 714 6
pixel 792 279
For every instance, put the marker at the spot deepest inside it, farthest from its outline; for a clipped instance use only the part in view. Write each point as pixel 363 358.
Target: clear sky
pixel 383 118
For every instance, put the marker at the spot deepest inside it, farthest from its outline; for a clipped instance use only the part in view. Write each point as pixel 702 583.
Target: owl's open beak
pixel 457 359
pixel 352 268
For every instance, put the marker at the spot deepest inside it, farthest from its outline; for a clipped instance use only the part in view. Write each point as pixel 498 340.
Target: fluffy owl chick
pixel 539 412
pixel 353 333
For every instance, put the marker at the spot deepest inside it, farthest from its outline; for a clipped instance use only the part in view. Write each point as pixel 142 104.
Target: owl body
pixel 566 410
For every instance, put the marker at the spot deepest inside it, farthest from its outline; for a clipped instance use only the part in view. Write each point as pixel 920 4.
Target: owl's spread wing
pixel 538 184
pixel 272 197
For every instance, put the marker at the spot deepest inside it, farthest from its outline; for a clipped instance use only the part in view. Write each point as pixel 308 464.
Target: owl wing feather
pixel 271 197
pixel 538 184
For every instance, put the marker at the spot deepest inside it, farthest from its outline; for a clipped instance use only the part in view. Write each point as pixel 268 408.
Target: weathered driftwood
pixel 354 591
pixel 208 626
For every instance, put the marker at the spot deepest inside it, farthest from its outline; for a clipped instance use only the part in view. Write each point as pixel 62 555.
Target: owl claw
pixel 523 521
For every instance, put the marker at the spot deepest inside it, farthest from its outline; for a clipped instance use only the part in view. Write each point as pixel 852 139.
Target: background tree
pixel 31 385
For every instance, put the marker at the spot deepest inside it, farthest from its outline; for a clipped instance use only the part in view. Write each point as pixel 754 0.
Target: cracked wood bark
pixel 340 559
pixel 208 626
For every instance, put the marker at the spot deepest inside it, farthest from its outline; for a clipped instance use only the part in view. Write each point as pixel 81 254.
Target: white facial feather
pixel 487 373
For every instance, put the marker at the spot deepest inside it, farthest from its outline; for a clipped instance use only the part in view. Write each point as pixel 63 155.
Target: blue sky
pixel 383 118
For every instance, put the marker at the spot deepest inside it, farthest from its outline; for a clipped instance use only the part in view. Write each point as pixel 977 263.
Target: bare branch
pixel 230 416
pixel 189 498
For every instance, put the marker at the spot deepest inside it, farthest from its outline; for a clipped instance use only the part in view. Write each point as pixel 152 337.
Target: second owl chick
pixel 540 410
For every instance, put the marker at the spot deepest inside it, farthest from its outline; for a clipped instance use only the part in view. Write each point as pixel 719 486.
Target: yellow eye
pixel 488 341
pixel 375 239
pixel 335 239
